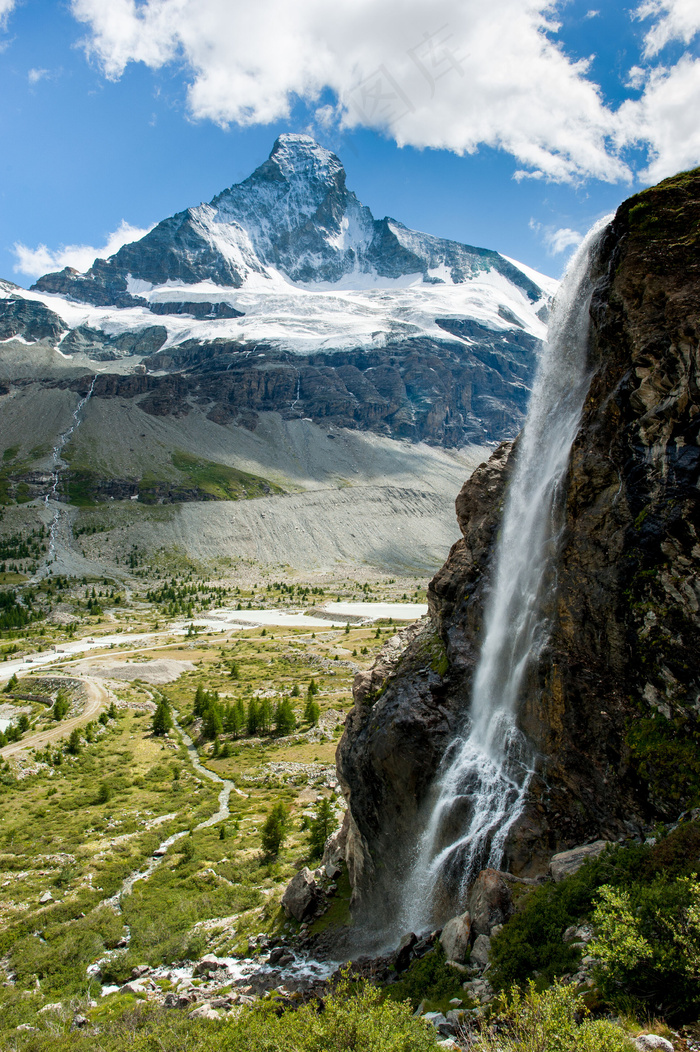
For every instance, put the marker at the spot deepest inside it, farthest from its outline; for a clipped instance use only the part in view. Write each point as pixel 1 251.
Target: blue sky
pixel 121 113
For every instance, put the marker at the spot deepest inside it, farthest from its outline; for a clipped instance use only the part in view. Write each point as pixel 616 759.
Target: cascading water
pixel 483 780
pixel 56 470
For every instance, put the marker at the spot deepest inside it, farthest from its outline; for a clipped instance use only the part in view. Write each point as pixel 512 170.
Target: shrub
pixel 551 1020
pixel 429 979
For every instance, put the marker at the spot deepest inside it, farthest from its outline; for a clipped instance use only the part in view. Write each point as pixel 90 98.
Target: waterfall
pixel 480 788
pixel 56 470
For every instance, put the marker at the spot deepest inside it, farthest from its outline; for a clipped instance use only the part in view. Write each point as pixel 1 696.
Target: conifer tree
pixel 274 831
pixel 162 720
pixel 253 717
pixel 285 721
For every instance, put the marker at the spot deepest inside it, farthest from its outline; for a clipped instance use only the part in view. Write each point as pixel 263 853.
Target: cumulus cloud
pixel 664 119
pixel 555 239
pixel 33 262
pixel 451 74
pixel 673 20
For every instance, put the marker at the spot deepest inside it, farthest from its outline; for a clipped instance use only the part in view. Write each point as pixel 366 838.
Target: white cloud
pixel 559 240
pixel 41 260
pixel 555 239
pixel 674 20
pixel 6 8
pixel 35 75
pixel 451 74
pixel 666 117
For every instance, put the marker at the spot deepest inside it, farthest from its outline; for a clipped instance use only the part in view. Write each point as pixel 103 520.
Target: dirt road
pixel 98 698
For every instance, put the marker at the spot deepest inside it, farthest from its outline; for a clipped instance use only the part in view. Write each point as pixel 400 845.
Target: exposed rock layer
pixel 611 705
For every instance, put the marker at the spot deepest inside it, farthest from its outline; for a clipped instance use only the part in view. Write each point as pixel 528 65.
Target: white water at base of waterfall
pixel 481 786
pixel 56 470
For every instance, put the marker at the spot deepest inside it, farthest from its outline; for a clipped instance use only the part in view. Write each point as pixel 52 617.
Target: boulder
pixel 481 950
pixel 405 952
pixel 436 1019
pixel 455 938
pixel 204 1011
pixel 565 863
pixel 490 901
pixel 55 1006
pixel 649 1042
pixel 301 895
pixel 45 897
pixel 210 963
pixel 139 970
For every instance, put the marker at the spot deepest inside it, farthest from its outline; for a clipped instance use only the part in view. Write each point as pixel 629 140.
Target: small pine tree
pixel 200 701
pixel 285 720
pixel 313 688
pixel 253 718
pixel 12 684
pixel 265 716
pixel 162 720
pixel 235 671
pixel 312 711
pixel 274 831
pixel 322 825
pixel 211 724
pixel 73 746
pixel 295 690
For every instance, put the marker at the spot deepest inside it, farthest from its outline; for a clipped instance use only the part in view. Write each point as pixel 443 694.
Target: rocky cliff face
pixel 612 703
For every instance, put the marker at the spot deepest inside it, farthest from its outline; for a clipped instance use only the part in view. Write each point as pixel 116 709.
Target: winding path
pixel 98 697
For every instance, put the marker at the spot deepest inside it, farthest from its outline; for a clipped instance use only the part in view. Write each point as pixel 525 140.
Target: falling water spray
pixel 480 789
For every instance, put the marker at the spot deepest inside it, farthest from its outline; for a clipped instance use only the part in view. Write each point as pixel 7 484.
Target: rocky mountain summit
pixel 294 215
pixel 611 701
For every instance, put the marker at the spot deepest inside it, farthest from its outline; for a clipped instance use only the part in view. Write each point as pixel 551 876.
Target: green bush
pixel 551 1021
pixel 348 1021
pixel 429 979
pixel 648 882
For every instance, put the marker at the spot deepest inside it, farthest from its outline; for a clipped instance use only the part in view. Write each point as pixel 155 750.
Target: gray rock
pixel 301 895
pixel 405 952
pixel 208 964
pixel 45 897
pixel 481 950
pixel 139 970
pixel 204 1011
pixel 435 1019
pixel 565 863
pixel 79 1021
pixel 455 938
pixel 651 1042
pixel 490 901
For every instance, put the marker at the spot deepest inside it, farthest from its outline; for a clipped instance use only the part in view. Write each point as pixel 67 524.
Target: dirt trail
pixel 98 697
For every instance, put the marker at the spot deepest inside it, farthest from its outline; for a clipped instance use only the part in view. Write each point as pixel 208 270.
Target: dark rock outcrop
pixel 29 319
pixel 612 702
